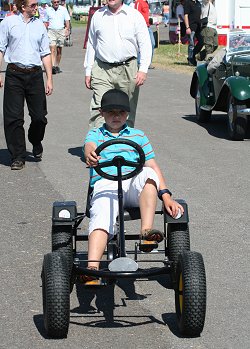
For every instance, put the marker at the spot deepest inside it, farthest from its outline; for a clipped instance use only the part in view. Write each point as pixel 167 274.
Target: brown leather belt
pixel 15 67
pixel 117 64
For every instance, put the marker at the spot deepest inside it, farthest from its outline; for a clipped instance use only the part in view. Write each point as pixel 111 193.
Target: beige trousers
pixel 103 78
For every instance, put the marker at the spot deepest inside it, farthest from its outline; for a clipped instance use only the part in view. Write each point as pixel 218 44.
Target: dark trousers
pixel 18 87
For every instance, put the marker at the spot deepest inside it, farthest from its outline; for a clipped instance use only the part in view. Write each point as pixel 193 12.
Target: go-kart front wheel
pixel 56 295
pixel 190 294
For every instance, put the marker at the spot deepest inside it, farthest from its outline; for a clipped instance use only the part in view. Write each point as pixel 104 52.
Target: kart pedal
pixel 147 246
pixel 95 283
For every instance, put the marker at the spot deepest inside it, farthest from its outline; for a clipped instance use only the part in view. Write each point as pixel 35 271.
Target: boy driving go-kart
pixel 141 190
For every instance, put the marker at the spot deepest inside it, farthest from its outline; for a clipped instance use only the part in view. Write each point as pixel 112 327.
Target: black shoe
pixel 192 61
pixel 17 165
pixel 38 151
pixel 58 70
pixel 54 70
pixel 151 67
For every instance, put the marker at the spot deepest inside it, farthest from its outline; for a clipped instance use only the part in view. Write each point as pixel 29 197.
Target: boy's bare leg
pixel 96 246
pixel 147 201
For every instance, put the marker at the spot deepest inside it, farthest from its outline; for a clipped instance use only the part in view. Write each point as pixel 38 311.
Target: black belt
pixel 117 64
pixel 15 67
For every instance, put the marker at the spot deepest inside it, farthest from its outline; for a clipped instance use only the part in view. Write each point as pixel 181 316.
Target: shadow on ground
pixel 216 127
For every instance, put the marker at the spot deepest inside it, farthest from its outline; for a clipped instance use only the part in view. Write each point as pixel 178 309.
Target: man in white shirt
pixel 117 33
pixel 58 29
pixel 209 33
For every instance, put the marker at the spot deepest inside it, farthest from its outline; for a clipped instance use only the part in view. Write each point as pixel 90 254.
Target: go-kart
pixel 228 88
pixel 63 266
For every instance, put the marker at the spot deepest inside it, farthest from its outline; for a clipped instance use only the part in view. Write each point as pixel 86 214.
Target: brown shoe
pixel 17 165
pixel 87 278
pixel 150 239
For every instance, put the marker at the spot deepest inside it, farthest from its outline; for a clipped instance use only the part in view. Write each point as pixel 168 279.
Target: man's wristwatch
pixel 163 191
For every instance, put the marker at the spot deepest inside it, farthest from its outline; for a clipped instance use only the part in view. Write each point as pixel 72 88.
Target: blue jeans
pixel 166 18
pixel 152 39
pixel 192 48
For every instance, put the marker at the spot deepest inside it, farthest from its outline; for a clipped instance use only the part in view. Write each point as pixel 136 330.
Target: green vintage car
pixel 223 84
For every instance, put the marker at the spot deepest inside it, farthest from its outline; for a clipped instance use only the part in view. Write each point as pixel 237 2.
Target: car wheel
pixel 237 126
pixel 201 115
pixel 190 294
pixel 178 241
pixel 56 295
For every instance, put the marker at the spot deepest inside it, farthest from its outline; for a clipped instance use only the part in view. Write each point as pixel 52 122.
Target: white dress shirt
pixel 118 37
pixel 57 18
pixel 212 16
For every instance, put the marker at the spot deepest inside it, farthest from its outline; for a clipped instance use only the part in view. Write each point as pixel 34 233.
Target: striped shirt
pixel 101 135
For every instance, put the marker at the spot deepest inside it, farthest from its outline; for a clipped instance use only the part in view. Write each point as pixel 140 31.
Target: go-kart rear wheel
pixel 178 241
pixel 237 126
pixel 56 295
pixel 190 294
pixel 201 115
pixel 62 242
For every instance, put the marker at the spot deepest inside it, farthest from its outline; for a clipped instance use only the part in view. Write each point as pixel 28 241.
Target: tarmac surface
pixel 201 165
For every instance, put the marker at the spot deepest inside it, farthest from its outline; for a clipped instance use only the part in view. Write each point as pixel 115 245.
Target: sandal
pixel 150 239
pixel 88 278
pixel 152 235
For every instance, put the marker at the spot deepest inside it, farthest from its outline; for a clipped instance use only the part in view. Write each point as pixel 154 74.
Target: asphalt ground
pixel 202 166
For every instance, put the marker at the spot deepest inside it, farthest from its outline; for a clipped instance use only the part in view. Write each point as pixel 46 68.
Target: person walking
pixel 192 15
pixel 42 9
pixel 117 33
pixel 143 7
pixel 209 33
pixel 165 13
pixel 25 46
pixel 180 16
pixel 58 30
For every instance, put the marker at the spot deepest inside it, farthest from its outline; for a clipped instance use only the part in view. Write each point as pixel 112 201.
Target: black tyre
pixel 201 115
pixel 237 126
pixel 178 241
pixel 190 294
pixel 62 242
pixel 56 295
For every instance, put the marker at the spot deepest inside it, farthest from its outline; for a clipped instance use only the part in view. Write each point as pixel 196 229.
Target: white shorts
pixel 104 204
pixel 56 37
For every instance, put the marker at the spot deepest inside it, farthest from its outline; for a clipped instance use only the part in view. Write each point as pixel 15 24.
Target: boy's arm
pixel 90 155
pixel 171 206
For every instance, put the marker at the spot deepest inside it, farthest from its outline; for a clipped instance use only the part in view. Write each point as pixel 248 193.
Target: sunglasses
pixel 32 5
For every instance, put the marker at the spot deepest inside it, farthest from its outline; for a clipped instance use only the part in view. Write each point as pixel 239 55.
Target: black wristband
pixel 163 191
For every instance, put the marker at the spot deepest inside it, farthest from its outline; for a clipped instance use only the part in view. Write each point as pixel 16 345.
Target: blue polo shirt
pixel 101 135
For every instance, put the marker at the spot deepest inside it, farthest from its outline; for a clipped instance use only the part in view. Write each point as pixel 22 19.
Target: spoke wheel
pixel 237 126
pixel 201 115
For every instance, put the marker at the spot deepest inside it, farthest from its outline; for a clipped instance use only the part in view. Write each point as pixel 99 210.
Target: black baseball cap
pixel 115 99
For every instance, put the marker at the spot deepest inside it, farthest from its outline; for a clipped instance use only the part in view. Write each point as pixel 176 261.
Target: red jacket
pixel 143 7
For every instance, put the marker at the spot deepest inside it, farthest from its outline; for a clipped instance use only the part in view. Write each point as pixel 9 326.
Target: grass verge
pixel 172 57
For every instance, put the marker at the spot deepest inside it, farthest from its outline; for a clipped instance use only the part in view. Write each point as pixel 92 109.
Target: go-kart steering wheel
pixel 119 161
